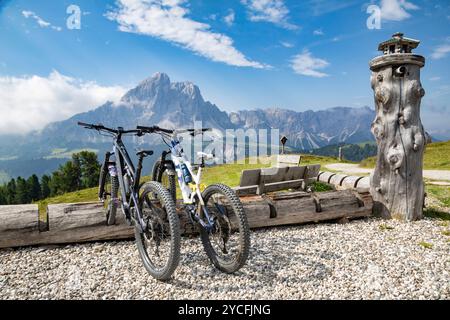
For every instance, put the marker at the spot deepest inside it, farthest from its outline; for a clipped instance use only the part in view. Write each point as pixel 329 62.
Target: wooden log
pixel 363 183
pixel 337 179
pixel 350 182
pixel 18 223
pixel 81 222
pixel 397 182
pixel 302 208
pixel 326 176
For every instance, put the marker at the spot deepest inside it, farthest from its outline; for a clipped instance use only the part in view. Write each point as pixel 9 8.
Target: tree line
pixel 81 172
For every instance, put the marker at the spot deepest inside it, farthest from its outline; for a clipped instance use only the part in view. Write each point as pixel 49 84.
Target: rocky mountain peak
pixel 148 88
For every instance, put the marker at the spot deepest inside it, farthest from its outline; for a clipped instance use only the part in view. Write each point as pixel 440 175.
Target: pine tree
pixel 45 186
pixel 90 168
pixel 11 192
pixel 22 191
pixel 3 199
pixel 34 188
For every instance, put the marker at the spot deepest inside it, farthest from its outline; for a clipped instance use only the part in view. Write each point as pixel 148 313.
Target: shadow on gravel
pixel 268 266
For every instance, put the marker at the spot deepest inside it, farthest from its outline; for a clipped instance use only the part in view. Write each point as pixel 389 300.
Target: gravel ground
pixel 363 259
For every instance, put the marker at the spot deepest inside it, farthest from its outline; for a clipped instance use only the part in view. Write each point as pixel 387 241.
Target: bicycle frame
pixel 191 192
pixel 124 169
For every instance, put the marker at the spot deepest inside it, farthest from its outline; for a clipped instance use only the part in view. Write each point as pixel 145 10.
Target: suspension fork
pixel 166 164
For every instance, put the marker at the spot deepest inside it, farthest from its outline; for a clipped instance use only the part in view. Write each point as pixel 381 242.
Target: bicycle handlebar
pixel 153 129
pixel 100 127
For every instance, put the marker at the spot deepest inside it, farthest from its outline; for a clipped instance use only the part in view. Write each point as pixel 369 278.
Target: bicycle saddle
pixel 144 153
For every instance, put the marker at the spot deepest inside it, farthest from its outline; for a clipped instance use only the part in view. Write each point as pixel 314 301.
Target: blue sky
pixel 243 54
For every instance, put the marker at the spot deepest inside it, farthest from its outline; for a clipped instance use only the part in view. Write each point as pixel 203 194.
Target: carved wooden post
pixel 396 184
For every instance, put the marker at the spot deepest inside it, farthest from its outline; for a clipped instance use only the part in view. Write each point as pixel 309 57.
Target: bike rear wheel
pixel 161 175
pixel 228 244
pixel 109 193
pixel 159 243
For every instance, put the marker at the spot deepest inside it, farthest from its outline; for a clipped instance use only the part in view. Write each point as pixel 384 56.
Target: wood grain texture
pixel 82 222
pixel 17 223
pixel 397 183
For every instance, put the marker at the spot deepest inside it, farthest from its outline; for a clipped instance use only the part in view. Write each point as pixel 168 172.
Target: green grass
pixel 442 193
pixel 321 187
pixel 426 245
pixel 437 157
pixel 437 214
pixel 85 195
pixel 385 227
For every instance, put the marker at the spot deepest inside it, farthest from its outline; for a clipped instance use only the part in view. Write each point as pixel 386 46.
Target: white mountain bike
pixel 217 210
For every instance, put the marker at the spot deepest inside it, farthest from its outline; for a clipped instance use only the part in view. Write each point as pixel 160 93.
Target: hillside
pixel 437 157
pixel 352 152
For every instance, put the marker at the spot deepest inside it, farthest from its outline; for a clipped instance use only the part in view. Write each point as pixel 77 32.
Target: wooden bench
pixel 288 160
pixel 261 181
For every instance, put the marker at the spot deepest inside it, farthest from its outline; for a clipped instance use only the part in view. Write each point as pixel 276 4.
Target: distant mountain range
pixel 157 100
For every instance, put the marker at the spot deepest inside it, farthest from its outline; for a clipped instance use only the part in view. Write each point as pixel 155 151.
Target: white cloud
pixel 435 78
pixel 336 39
pixel 441 51
pixel 166 19
pixel 30 102
pixel 318 32
pixel 274 11
pixel 396 10
pixel 307 65
pixel 229 18
pixel 41 22
pixel 286 44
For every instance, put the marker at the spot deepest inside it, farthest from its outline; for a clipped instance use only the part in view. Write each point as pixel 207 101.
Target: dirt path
pixel 442 177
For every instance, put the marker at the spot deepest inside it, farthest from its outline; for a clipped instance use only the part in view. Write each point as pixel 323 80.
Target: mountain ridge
pixel 158 101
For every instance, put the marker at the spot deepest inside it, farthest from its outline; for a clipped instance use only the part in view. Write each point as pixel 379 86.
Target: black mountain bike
pixel 217 210
pixel 149 207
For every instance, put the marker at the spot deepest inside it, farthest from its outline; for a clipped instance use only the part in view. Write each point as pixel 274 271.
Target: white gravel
pixel 364 259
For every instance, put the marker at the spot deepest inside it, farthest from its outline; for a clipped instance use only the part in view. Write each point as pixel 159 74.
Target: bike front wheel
pixel 227 245
pixel 159 243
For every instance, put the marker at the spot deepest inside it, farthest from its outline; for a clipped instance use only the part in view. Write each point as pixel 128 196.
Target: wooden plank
pixel 242 191
pixel 249 177
pixel 274 174
pixel 288 160
pixel 283 185
pixel 312 171
pixel 17 223
pixel 294 173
